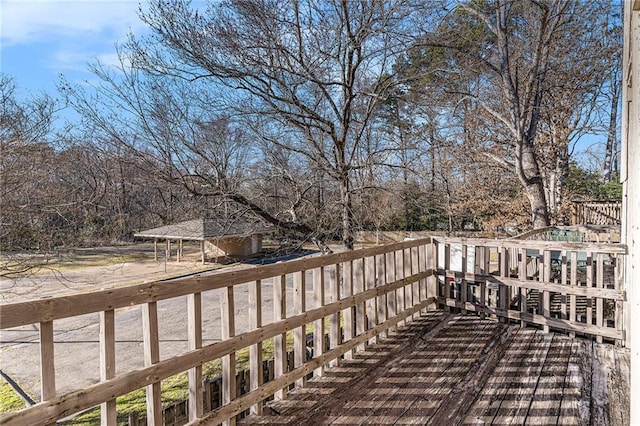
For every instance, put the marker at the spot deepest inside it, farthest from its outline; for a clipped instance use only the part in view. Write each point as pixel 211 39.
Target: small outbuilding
pixel 231 237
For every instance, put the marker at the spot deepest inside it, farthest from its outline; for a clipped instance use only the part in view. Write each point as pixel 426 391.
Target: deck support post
pixel 630 178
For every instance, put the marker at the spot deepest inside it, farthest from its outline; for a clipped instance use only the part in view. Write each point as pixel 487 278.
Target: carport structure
pixel 219 237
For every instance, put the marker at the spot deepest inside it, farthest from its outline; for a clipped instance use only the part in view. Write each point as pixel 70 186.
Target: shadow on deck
pixel 446 369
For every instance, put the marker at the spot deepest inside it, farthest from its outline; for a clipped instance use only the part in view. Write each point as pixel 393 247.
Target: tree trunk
pixel 529 174
pixel 347 214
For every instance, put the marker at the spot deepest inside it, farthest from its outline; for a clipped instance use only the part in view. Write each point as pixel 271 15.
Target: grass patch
pixel 175 388
pixel 9 399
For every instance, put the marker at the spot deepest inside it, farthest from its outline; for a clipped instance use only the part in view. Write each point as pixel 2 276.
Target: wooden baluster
pixel 589 285
pixel 150 337
pixel 300 333
pixel 280 341
pixel 382 299
pixel 503 289
pixel 522 291
pixel 194 335
pixel 107 363
pixel 545 276
pixel 359 287
pixel 370 283
pixel 563 281
pixel 448 284
pixel 431 259
pixel 410 269
pixel 47 362
pixel 318 325
pixel 573 282
pixel 347 314
pixel 399 275
pixel 334 319
pixel 599 300
pixel 255 351
pixel 228 322
pixel 464 288
pixel 389 277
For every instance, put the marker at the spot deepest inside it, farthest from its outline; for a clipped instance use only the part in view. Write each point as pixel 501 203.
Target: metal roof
pixel 208 229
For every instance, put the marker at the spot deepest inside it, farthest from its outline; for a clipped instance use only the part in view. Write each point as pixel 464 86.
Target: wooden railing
pixel 575 287
pixel 354 298
pixel 357 296
pixel 596 212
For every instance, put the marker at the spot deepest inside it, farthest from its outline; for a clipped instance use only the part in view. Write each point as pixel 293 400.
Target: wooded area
pixel 322 118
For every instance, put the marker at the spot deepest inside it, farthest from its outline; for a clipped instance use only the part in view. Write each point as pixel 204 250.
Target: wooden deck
pixel 446 369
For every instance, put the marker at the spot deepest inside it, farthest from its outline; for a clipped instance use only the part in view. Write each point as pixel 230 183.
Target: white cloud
pixel 29 21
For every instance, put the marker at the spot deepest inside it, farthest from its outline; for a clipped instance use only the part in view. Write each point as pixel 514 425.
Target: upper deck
pixel 464 367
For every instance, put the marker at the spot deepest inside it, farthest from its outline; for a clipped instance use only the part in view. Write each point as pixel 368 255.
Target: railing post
pixel 228 322
pixel 150 338
pixel 255 351
pixel 107 363
pixel 194 330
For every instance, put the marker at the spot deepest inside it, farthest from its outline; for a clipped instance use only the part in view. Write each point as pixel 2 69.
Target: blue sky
pixel 41 39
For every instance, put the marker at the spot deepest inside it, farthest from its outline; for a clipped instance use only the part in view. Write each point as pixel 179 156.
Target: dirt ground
pixel 77 339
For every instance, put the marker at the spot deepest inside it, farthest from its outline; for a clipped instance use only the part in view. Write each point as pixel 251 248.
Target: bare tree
pixel 510 50
pixel 314 67
pixel 24 126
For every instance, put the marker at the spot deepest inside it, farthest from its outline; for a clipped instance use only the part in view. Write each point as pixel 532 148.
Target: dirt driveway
pixel 77 339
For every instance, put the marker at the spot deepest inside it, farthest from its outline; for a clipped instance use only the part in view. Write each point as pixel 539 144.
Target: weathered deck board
pixel 448 369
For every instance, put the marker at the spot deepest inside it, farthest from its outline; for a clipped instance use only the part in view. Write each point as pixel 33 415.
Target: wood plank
pixel 359 286
pixel 107 363
pixel 47 363
pixel 43 310
pixel 318 325
pixel 606 293
pixel 151 343
pixel 398 268
pixel 497 386
pixel 256 373
pixel 381 300
pixel 194 341
pixel 335 276
pixel 599 284
pixel 515 403
pixel 299 333
pixel 576 395
pixel 535 244
pixel 346 289
pixel 547 399
pixel 248 399
pixel 280 340
pixel 389 277
pixel 370 285
pixel 228 324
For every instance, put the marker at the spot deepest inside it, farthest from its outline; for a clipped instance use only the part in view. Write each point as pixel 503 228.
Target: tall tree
pixel 315 67
pixel 510 50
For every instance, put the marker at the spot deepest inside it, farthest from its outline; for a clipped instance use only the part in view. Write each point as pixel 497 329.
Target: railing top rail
pixel 43 310
pixel 613 248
